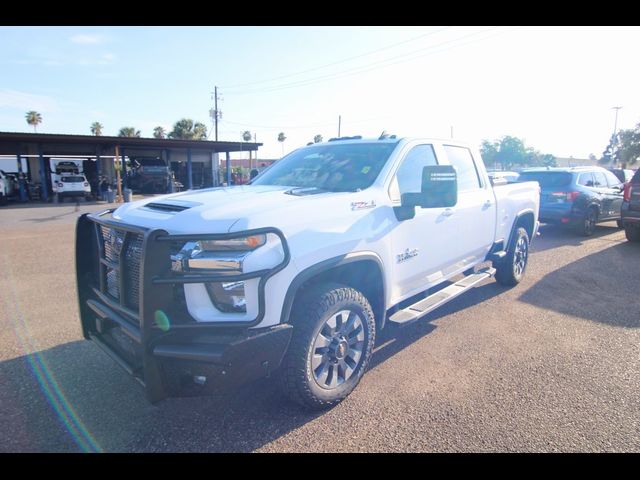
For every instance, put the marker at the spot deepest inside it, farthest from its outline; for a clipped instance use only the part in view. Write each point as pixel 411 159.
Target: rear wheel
pixel 588 225
pixel 332 342
pixel 3 199
pixel 510 270
pixel 632 232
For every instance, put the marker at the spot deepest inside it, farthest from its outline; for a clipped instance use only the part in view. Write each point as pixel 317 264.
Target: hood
pixel 213 210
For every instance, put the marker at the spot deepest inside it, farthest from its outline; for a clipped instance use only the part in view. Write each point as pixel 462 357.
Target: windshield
pixel 546 179
pixel 336 168
pixel 149 161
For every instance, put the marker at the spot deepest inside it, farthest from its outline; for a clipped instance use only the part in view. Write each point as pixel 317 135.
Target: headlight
pixel 238 244
pixel 228 297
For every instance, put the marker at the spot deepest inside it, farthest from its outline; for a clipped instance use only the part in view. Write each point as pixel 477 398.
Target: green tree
pixel 96 128
pixel 317 139
pixel 128 132
pixel 281 138
pixel 159 132
pixel 489 152
pixel 512 152
pixel 186 129
pixel 629 150
pixel 34 119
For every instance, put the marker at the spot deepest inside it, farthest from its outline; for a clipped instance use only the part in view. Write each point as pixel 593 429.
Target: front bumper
pixel 144 327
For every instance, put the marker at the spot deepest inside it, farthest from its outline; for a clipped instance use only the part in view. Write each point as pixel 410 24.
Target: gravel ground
pixel 550 365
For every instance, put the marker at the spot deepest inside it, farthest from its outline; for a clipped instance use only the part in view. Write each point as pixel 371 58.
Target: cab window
pixel 461 159
pixel 408 179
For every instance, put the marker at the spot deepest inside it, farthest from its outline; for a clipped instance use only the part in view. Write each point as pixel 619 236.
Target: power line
pixel 370 66
pixel 337 62
pixel 293 127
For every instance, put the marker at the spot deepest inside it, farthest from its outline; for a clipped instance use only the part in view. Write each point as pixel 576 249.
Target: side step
pixel 426 305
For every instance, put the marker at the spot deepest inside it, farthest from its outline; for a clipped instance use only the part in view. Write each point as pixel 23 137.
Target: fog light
pixel 228 297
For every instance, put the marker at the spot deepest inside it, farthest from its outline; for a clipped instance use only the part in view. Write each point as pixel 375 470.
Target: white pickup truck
pixel 295 273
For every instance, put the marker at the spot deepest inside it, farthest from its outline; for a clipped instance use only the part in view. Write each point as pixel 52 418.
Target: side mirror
pixel 439 190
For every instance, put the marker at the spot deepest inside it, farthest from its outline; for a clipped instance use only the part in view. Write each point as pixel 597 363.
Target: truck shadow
pixel 52 402
pixel 600 285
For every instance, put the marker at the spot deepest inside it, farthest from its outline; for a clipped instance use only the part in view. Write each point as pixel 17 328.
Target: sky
pixel 553 87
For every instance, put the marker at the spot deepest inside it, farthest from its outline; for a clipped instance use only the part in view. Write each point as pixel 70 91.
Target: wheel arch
pixel 360 270
pixel 525 219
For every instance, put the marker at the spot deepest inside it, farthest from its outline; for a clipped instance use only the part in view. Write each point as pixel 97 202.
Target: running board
pixel 426 305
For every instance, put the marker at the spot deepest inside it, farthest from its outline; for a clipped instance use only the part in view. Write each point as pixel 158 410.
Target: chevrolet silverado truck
pixel 293 275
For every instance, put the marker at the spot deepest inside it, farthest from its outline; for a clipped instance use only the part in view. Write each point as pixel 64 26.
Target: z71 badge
pixel 408 253
pixel 363 205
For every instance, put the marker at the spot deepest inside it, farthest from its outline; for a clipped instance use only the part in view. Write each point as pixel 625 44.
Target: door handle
pixel 487 204
pixel 447 212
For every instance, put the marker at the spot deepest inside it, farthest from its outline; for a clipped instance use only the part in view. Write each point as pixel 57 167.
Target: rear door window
pixel 599 180
pixel 585 179
pixel 461 159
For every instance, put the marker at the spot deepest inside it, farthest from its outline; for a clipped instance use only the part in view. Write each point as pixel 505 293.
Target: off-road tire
pixel 309 317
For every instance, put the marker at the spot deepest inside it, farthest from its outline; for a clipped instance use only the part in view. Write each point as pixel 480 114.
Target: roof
pixel 10 140
pixel 562 169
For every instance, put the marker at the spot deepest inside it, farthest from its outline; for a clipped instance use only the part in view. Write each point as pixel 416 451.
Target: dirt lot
pixel 551 365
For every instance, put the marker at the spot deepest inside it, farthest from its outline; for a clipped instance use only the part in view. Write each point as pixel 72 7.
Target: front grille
pixel 121 285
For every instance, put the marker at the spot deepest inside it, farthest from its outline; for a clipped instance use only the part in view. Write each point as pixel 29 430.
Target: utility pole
pixel 339 122
pixel 214 113
pixel 451 131
pixel 615 125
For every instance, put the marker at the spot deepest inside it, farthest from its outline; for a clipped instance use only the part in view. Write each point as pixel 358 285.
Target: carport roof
pixel 9 142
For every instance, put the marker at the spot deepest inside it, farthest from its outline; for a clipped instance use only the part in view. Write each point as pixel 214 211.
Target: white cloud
pixel 87 39
pixel 26 101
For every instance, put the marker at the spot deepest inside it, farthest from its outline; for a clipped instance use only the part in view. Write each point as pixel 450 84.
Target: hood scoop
pixel 304 191
pixel 174 207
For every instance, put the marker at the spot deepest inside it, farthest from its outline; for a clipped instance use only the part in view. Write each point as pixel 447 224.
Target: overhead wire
pixel 366 68
pixel 336 62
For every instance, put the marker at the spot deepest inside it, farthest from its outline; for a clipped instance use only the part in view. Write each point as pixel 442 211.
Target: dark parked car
pixel 578 197
pixel 631 208
pixel 623 174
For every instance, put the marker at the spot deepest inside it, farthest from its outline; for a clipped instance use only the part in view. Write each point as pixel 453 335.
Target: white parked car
pixel 73 185
pixel 294 274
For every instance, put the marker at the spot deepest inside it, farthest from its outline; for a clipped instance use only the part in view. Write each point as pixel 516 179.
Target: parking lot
pixel 550 365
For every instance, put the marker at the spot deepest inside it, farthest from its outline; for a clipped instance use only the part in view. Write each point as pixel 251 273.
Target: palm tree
pixel 185 129
pixel 281 138
pixel 33 119
pixel 317 138
pixel 128 132
pixel 159 132
pixel 96 128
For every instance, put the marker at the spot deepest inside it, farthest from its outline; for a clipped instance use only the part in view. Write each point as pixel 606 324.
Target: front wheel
pixel 332 342
pixel 510 270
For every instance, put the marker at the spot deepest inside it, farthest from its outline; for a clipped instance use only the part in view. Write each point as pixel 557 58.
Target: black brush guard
pixel 166 357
